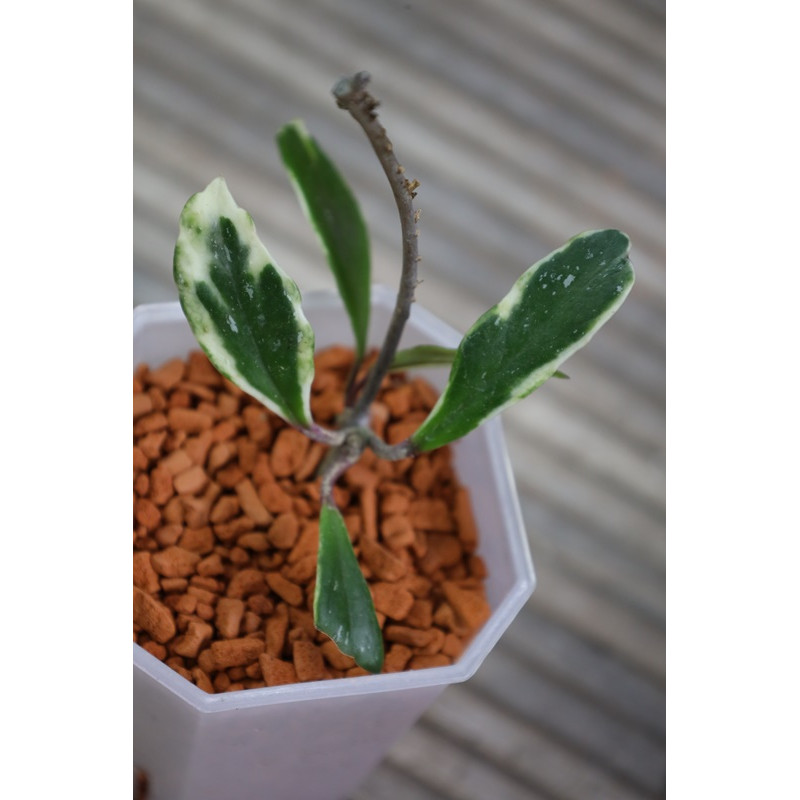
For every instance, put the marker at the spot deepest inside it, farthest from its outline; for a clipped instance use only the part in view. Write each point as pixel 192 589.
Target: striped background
pixel 525 122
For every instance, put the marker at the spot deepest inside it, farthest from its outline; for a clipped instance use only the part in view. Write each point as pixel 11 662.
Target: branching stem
pixel 351 95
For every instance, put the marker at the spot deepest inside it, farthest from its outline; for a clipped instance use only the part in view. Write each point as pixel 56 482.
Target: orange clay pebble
pixel 369 512
pixel 246 582
pixel 288 452
pixel 286 590
pixel 155 649
pixel 251 503
pixel 306 545
pixel 275 671
pixel 260 604
pixel 469 604
pixel 310 463
pixel 226 532
pixel 140 460
pixel 284 530
pixel 408 636
pixel 142 404
pixel 420 614
pixel 225 509
pixel 220 455
pixel 445 617
pixel 211 565
pixel 424 662
pixel 443 550
pixel 144 576
pixel 276 629
pixel 181 603
pixel 151 444
pixel 307 661
pixel 152 616
pixel 197 447
pixel 200 370
pixel 197 540
pixel 453 646
pixel 257 423
pixel 161 487
pixel 382 563
pixel 190 481
pixel 302 571
pixel 467 531
pixel 168 374
pixel 189 645
pixel 397 658
pixel 248 454
pixel 274 498
pixel 189 419
pixel 175 562
pixel 251 623
pixel 435 644
pixel 230 611
pixel 236 652
pixel 430 514
pixel 254 540
pixel 335 657
pixel 150 423
pixel 202 681
pixel 146 513
pixel 224 431
pixel 392 600
pixel 397 531
pixel 174 584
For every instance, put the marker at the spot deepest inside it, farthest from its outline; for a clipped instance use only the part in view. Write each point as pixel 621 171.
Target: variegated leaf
pixel 553 310
pixel 343 606
pixel 334 213
pixel 244 311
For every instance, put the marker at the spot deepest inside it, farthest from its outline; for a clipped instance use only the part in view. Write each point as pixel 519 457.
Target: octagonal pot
pixel 319 740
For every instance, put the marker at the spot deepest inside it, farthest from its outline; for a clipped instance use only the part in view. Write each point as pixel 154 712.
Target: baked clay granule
pixel 226 529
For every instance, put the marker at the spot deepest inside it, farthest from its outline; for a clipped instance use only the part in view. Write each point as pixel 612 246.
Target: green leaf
pixel 244 311
pixel 334 213
pixel 553 310
pixel 424 355
pixel 343 606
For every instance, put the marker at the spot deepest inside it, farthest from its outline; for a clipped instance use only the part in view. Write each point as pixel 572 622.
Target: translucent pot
pixel 319 740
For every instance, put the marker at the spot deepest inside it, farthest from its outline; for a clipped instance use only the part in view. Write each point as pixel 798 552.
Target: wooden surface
pixel 526 123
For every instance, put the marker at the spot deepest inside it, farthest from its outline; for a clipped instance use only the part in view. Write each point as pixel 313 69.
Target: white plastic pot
pixel 319 740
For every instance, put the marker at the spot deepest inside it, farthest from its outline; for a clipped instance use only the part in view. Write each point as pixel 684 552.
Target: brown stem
pixel 351 95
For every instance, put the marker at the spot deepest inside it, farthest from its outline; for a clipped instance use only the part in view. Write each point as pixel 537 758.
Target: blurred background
pixel 525 122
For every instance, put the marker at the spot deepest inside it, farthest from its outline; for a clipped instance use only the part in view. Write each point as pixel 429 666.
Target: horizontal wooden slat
pixel 622 751
pixel 521 749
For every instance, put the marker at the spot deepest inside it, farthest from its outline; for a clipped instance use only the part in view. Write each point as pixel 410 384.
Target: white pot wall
pixel 319 740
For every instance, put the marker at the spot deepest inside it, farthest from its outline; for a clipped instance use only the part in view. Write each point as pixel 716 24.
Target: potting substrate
pixel 226 511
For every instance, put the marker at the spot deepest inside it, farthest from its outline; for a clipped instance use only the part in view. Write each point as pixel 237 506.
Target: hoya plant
pixel 247 315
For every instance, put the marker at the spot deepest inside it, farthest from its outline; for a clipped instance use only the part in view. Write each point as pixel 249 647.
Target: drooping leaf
pixel 424 355
pixel 343 606
pixel 244 311
pixel 335 215
pixel 552 310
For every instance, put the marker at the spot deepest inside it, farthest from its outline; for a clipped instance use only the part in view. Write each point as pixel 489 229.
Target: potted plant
pixel 319 739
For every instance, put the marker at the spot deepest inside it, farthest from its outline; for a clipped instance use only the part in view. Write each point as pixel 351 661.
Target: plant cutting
pixel 319 738
pixel 248 317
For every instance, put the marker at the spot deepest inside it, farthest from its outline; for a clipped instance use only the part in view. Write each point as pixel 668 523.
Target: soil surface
pixel 226 510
